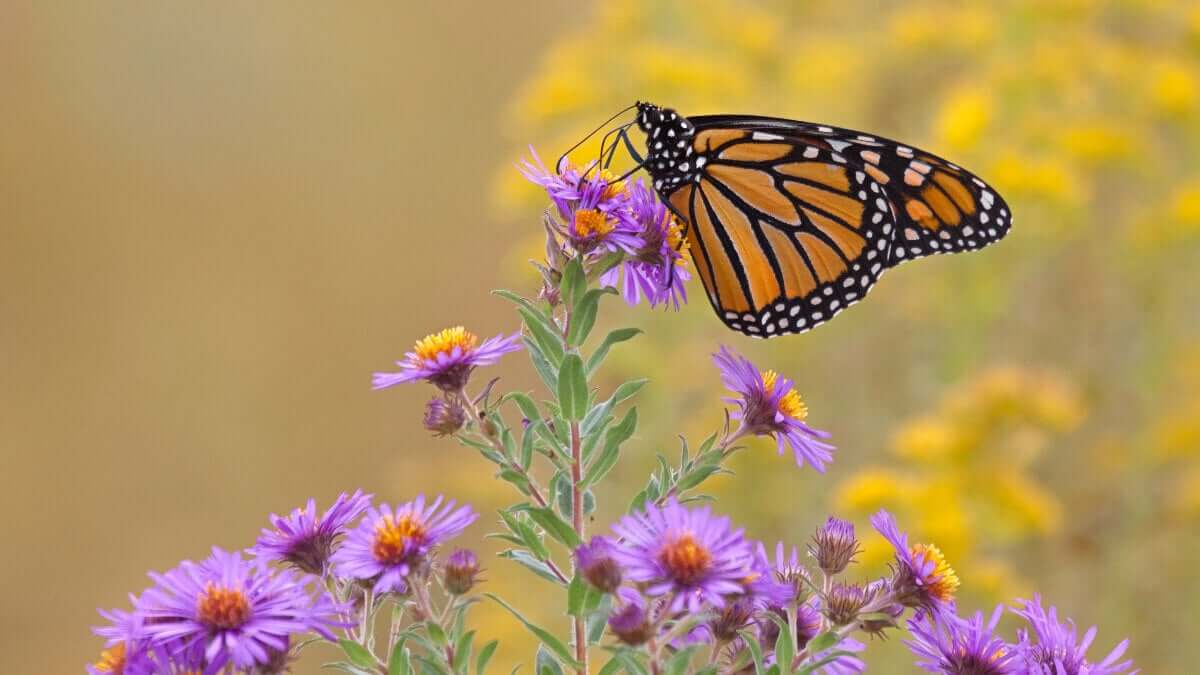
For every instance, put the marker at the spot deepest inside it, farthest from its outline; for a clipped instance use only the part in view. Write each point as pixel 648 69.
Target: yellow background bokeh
pixel 217 220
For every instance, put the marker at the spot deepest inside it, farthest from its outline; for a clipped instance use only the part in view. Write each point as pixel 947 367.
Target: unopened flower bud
pixel 595 561
pixel 461 572
pixel 444 417
pixel 733 617
pixel 630 623
pixel 834 546
pixel 844 602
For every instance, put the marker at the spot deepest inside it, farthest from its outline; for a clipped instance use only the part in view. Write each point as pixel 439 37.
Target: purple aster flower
pixel 789 571
pixel 388 546
pixel 656 270
pixel 765 585
pixel 768 405
pixel 630 622
pixel 593 207
pixel 596 562
pixel 446 359
pixel 952 646
pixel 461 572
pixel 921 576
pixel 444 417
pixel 305 540
pixel 834 546
pixel 687 554
pixel 237 611
pixel 1054 648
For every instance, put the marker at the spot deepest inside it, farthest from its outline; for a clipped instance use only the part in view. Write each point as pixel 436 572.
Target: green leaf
pixel 462 650
pixel 696 476
pixel 485 655
pixel 613 439
pixel 519 300
pixel 546 336
pixel 545 664
pixel 530 563
pixel 825 660
pixel 614 337
pixel 577 593
pixel 572 388
pixel 628 389
pixel 357 654
pixel 400 662
pixel 785 646
pixel 436 634
pixel 548 639
pixel 583 319
pixel 529 409
pixel 541 364
pixel 554 526
pixel 611 668
pixel 678 665
pixel 527 448
pixel 751 641
pixel 573 282
pixel 822 642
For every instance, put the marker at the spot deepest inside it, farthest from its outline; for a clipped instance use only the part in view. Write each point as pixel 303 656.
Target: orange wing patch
pixel 957 191
pixel 831 175
pixel 724 282
pixel 920 213
pixel 764 287
pixel 798 281
pixel 941 205
pixel 757 188
pixel 824 259
pixel 755 152
pixel 707 141
pixel 839 205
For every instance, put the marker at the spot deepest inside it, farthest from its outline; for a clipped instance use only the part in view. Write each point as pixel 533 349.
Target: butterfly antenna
pixel 558 165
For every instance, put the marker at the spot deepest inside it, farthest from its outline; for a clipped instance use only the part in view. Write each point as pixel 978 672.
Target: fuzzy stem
pixel 577 524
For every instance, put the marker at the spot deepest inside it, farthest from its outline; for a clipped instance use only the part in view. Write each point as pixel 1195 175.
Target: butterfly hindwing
pixel 783 235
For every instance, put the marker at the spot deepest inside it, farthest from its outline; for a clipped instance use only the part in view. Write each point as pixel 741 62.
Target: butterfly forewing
pixel 783 235
pixel 939 207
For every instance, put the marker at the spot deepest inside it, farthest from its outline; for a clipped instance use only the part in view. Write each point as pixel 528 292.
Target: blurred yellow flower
pixel 964 117
pixel 1173 88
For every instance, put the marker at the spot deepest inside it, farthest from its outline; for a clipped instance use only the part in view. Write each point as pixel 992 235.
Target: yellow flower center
pixel 685 559
pixel 393 538
pixel 112 660
pixel 444 342
pixel 942 582
pixel 612 188
pixel 676 239
pixel 791 404
pixel 591 221
pixel 224 608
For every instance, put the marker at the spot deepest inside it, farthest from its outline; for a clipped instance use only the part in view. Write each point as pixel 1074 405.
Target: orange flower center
pixel 791 404
pixel 112 660
pixel 942 582
pixel 224 608
pixel 685 559
pixel 676 239
pixel 612 188
pixel 591 221
pixel 394 538
pixel 445 342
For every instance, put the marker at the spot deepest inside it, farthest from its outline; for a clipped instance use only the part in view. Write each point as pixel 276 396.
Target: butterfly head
pixel 668 145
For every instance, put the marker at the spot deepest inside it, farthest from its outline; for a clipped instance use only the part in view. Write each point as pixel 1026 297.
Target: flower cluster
pixel 304 577
pixel 595 215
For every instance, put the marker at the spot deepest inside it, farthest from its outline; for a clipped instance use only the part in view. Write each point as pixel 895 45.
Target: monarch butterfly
pixel 790 222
